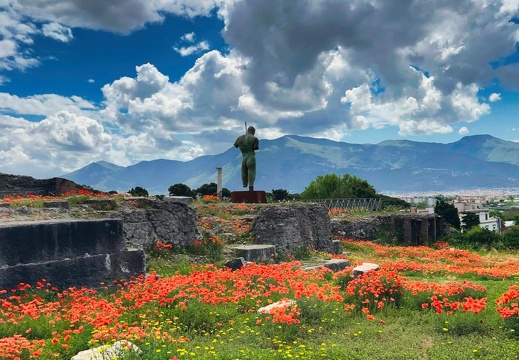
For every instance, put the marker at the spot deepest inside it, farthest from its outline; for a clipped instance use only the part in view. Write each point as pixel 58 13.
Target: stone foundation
pixel 150 221
pixel 408 229
pixel 294 228
pixel 67 253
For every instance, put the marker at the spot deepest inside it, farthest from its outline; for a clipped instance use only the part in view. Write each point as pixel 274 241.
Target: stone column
pixel 219 182
pixel 424 231
pixel 408 231
pixel 432 228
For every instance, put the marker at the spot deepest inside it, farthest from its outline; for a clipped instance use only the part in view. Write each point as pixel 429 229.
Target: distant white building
pixel 468 204
pixel 485 220
pixel 428 210
pixel 475 205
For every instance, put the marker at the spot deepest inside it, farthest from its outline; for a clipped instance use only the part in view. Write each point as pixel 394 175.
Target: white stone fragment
pixel 279 304
pixel 107 351
pixel 364 268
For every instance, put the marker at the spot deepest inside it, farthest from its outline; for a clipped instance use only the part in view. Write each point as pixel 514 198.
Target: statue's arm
pixel 256 144
pixel 236 143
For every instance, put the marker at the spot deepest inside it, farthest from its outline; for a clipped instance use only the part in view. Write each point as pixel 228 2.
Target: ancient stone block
pixel 337 247
pixel 364 268
pixel 168 221
pixel 295 227
pixel 256 253
pixel 235 264
pixel 337 264
pixel 87 271
pixel 31 241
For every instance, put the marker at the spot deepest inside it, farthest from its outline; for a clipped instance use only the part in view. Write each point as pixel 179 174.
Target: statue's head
pixel 251 130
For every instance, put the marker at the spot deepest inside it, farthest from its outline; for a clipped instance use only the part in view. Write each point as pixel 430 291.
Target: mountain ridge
pixel 291 162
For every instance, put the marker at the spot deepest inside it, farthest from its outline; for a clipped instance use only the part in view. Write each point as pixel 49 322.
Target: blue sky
pixel 130 80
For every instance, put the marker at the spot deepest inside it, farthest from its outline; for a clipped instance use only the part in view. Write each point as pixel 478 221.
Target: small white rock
pixel 107 351
pixel 279 304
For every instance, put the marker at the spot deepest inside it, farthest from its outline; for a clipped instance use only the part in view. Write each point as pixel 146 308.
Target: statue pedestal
pixel 249 197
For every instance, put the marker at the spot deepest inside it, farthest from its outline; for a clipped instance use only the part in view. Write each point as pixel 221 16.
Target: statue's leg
pixel 251 165
pixel 244 172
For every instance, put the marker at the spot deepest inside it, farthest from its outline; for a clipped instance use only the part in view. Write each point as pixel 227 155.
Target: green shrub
pixel 210 246
pixel 511 238
pixel 475 238
pixel 478 236
pixel 138 191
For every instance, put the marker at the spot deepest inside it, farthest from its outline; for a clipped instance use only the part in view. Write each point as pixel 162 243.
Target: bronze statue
pixel 248 144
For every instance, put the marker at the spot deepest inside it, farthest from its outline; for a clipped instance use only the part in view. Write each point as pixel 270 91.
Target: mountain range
pixel 292 162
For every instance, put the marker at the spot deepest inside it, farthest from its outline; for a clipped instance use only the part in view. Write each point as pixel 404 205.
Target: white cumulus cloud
pixel 318 68
pixel 494 97
pixel 463 131
pixel 57 32
pixel 193 49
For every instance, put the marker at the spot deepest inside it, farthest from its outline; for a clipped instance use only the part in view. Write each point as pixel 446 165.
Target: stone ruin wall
pixel 406 229
pixel 294 228
pixel 290 228
pixel 22 185
pixel 105 247
pixel 170 220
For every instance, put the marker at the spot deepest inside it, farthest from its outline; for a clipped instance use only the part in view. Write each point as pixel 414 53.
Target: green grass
pixel 413 336
pixel 188 327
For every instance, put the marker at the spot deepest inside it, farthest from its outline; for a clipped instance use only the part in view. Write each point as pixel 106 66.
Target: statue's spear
pixel 245 127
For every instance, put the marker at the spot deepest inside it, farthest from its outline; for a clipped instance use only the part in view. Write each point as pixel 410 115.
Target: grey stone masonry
pixel 334 265
pixel 151 221
pixel 256 253
pixel 85 271
pixel 66 253
pixel 364 268
pixel 294 227
pixel 35 241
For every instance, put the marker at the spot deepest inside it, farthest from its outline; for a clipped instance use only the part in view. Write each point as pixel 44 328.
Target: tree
pixel 280 195
pixel 388 201
pixel 138 191
pixel 180 190
pixel 478 236
pixel 207 189
pixel 470 220
pixel 511 237
pixel 441 197
pixel 226 193
pixel 211 189
pixel 331 186
pixel 448 212
pixel 355 187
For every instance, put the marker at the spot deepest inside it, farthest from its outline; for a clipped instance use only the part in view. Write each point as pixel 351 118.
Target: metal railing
pixel 351 204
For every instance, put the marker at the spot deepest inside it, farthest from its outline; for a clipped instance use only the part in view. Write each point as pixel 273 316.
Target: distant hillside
pixel 292 162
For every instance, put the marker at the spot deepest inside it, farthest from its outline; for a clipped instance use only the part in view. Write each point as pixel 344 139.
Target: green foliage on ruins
pixel 449 213
pixel 180 190
pixel 212 189
pixel 138 191
pixel 332 186
pixel 281 195
pixel 470 220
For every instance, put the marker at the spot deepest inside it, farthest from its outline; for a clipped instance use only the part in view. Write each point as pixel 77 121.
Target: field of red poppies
pixel 428 302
